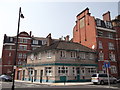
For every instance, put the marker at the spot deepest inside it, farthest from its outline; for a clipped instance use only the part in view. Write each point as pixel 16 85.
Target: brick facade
pixel 91 31
pixel 26 43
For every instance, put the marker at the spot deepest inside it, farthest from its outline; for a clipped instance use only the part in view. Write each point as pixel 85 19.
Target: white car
pixel 102 79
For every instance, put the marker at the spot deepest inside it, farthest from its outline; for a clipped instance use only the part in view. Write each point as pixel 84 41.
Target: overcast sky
pixel 42 17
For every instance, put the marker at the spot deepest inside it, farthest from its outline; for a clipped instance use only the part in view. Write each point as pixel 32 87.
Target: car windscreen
pixel 94 75
pixel 102 75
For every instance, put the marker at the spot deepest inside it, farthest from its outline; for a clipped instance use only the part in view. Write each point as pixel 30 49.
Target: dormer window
pixel 108 24
pixel 11 39
pixel 35 41
pixel 98 21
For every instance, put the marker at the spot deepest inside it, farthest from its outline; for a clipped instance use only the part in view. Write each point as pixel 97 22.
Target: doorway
pixel 41 74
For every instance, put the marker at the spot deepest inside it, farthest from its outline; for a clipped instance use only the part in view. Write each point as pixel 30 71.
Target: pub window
pixel 62 54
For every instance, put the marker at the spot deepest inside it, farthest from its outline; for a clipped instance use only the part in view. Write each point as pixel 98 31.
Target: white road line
pixel 103 86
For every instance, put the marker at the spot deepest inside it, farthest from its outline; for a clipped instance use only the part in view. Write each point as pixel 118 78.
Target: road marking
pixel 103 86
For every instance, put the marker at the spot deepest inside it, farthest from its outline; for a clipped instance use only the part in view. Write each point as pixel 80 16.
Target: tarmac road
pixel 79 86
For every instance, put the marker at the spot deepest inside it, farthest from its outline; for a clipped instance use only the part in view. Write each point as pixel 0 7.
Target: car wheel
pixel 114 81
pixel 102 82
pixel 95 83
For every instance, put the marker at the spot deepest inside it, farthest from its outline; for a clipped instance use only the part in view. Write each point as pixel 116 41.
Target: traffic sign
pixel 106 64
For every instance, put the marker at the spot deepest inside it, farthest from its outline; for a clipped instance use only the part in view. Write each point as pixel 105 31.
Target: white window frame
pixel 91 56
pixel 10 54
pixel 39 56
pixel 111 46
pixel 98 21
pixel 35 41
pixel 112 56
pixel 101 56
pixel 83 55
pixel 11 39
pixel 60 70
pixel 49 54
pixel 24 56
pixel 100 33
pixel 73 54
pixel 62 53
pixel 32 57
pixel 110 35
pixel 22 47
pixel 100 45
pixel 20 55
pixel 113 69
pixel 48 71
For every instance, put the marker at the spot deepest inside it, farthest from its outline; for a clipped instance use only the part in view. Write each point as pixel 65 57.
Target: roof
pixel 83 11
pixel 64 45
pixel 42 38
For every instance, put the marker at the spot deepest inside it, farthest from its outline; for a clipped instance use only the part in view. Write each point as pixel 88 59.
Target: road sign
pixel 106 64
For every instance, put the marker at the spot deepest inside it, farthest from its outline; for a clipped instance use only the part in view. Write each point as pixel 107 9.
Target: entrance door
pixel 78 73
pixel 41 74
pixel 23 74
pixel 63 78
pixel 18 75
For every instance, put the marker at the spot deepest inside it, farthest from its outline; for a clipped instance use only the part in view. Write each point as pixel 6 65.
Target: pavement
pixel 59 84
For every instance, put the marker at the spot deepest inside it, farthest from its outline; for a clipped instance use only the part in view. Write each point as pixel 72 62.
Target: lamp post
pixel 63 71
pixel 16 46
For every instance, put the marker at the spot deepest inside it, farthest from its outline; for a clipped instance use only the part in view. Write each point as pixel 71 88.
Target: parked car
pixel 118 80
pixel 5 78
pixel 102 79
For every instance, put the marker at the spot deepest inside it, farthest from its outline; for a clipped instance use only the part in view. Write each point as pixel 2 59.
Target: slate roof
pixel 63 45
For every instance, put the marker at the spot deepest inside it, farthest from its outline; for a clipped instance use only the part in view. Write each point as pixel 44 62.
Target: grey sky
pixel 42 18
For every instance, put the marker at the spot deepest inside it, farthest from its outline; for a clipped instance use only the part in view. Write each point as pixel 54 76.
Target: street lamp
pixel 63 71
pixel 16 46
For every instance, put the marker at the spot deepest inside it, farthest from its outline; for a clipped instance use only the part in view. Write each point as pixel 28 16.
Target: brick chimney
pixel 106 16
pixel 49 40
pixel 67 38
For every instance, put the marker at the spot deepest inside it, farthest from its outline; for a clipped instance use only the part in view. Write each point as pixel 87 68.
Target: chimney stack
pixel 106 16
pixel 49 40
pixel 67 38
pixel 30 33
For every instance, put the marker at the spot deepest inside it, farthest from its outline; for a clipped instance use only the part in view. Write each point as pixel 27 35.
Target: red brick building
pixel 116 26
pixel 99 35
pixel 26 43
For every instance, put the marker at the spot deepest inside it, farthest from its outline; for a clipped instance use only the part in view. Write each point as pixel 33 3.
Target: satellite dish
pixel 93 46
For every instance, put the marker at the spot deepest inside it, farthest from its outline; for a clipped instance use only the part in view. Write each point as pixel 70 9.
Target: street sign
pixel 106 64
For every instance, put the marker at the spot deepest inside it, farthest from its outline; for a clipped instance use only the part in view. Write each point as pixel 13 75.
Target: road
pixel 30 86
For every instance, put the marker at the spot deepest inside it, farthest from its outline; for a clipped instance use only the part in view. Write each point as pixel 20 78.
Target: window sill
pixel 49 57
